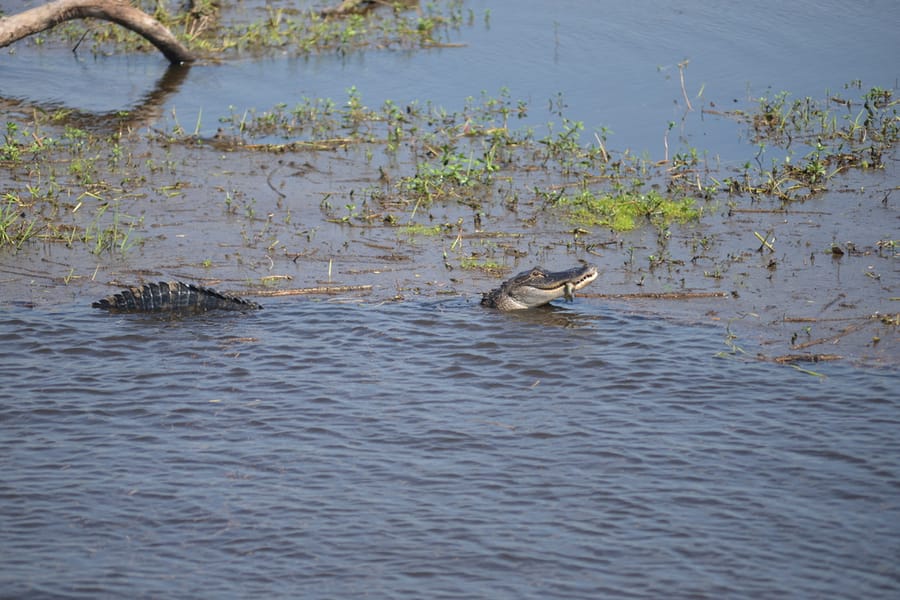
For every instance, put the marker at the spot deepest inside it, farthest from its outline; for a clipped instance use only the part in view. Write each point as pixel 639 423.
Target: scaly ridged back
pixel 172 296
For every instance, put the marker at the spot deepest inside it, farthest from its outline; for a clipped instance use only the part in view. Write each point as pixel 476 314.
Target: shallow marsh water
pixel 615 66
pixel 325 449
pixel 429 448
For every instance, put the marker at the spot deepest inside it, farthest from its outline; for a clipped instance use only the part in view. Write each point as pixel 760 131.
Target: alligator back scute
pixel 172 296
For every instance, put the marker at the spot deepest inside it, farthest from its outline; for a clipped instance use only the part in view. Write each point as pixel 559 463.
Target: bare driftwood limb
pixel 656 295
pixel 325 289
pixel 831 339
pixel 46 16
pixel 792 358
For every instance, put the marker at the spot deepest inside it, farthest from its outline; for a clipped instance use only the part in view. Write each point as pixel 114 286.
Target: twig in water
pixel 681 67
pixel 602 148
pixel 765 241
pixel 81 39
pixel 269 182
pixel 832 339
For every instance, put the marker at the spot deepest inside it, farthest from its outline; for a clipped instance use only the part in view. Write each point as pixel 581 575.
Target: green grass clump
pixel 627 210
pixel 476 264
pixel 415 229
pixel 817 139
pixel 15 228
pixel 448 176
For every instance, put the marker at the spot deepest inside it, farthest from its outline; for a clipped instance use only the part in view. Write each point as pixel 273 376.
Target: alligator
pixel 536 287
pixel 172 296
pixel 528 289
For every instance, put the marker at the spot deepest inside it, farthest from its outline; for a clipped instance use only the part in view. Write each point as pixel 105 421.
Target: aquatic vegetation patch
pixel 817 138
pixel 16 227
pixel 480 264
pixel 867 121
pixel 625 211
pixel 65 184
pixel 453 176
pixel 448 180
pixel 474 156
pixel 416 229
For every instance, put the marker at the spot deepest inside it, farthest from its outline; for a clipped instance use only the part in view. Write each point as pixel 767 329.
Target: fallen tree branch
pixel 792 358
pixel 326 289
pixel 831 339
pixel 41 18
pixel 655 295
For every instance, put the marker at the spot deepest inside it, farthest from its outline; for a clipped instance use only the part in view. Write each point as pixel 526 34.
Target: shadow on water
pixel 145 111
pixel 552 316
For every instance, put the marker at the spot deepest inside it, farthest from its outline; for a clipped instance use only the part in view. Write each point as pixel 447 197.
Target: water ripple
pixel 339 450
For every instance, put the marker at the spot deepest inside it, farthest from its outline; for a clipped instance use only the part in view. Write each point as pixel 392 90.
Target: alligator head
pixel 537 287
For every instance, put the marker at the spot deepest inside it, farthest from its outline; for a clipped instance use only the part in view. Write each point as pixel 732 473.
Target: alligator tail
pixel 172 296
